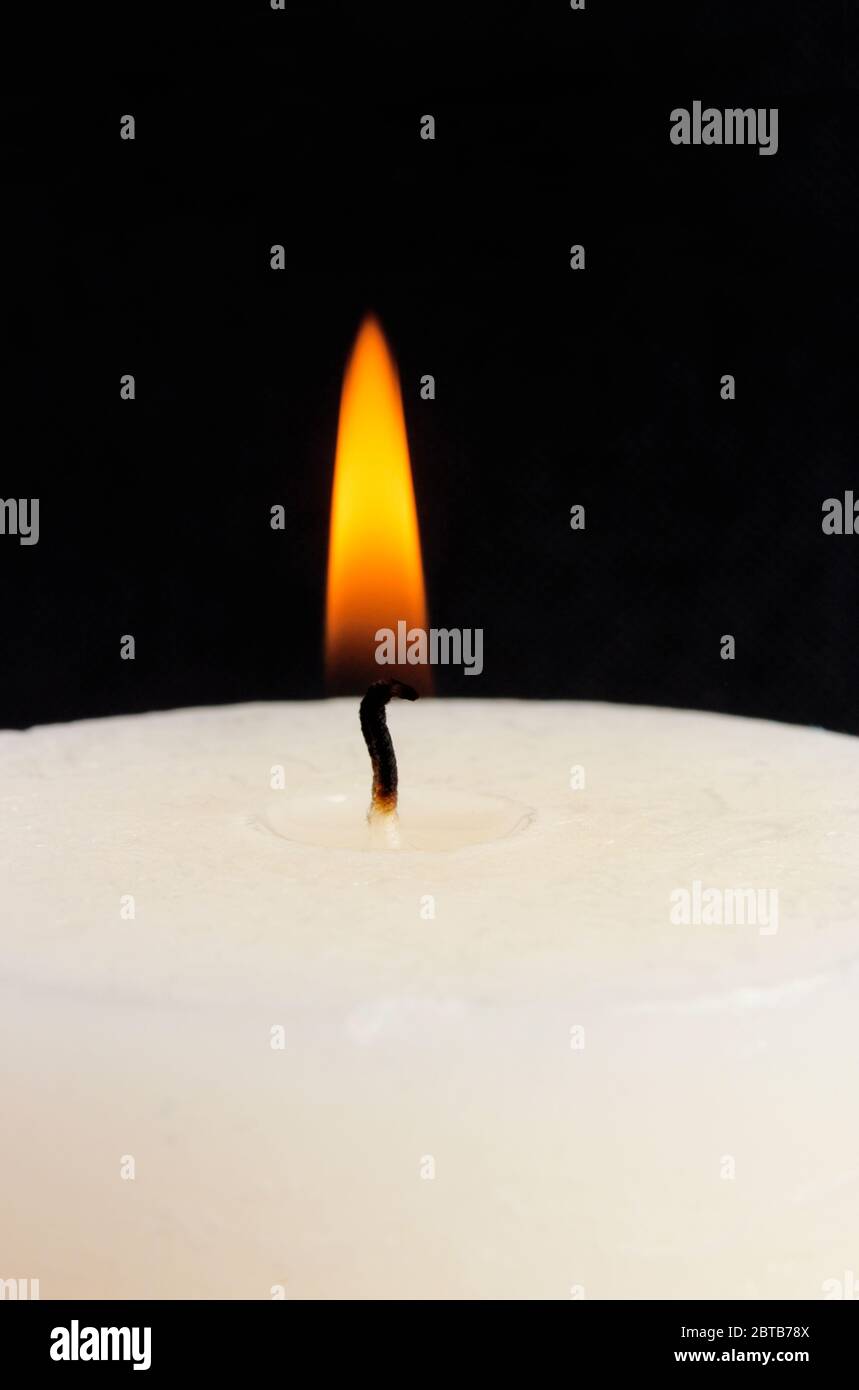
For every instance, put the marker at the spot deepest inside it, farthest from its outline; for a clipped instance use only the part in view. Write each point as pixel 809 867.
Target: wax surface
pixel 612 1104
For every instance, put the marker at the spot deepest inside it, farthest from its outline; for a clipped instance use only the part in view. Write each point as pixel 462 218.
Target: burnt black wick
pixel 374 727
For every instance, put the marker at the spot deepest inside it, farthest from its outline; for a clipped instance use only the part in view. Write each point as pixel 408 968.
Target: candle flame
pixel 375 575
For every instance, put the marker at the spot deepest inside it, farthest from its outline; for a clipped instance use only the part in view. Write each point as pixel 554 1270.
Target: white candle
pixel 506 1071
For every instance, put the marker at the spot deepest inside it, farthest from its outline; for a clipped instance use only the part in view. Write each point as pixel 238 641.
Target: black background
pixel 553 387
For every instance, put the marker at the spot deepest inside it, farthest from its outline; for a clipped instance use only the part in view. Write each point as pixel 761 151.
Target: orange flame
pixel 375 575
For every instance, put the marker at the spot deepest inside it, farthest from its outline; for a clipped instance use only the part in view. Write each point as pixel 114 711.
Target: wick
pixel 374 727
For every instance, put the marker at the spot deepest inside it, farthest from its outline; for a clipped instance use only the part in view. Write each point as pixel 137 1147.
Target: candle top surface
pixel 542 881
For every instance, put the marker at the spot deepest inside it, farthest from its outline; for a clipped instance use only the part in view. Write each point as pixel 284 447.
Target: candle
pixel 246 1054
pixel 558 1001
